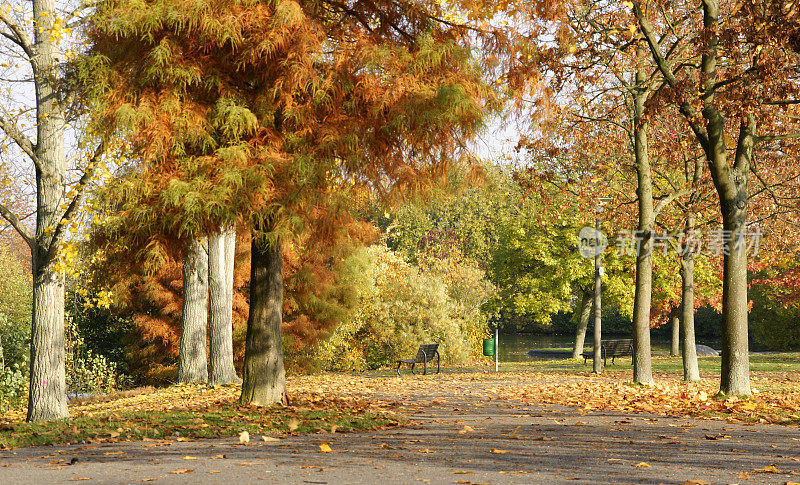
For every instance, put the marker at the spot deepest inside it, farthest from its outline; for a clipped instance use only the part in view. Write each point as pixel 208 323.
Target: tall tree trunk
pixel 731 185
pixel 642 366
pixel 691 371
pixel 264 378
pixel 585 311
pixel 220 286
pixel 675 320
pixel 192 361
pixel 47 399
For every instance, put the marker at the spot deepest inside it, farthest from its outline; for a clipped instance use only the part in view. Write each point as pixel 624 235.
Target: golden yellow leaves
pixel 325 448
pixel 466 429
pixel 642 464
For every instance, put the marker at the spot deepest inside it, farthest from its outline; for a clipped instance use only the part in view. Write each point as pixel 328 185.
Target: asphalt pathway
pixel 453 439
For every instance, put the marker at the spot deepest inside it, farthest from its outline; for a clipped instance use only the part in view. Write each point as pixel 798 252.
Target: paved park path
pixel 453 439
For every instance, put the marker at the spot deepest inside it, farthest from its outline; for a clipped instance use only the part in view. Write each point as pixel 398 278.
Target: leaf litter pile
pixel 341 402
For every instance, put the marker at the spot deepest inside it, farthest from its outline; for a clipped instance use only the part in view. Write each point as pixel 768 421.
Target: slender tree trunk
pixel 691 371
pixel 585 310
pixel 642 366
pixel 597 362
pixel 221 298
pixel 264 378
pixel 47 399
pixel 675 320
pixel 192 361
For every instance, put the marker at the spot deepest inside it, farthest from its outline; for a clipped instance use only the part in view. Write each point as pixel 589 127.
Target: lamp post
pixel 597 364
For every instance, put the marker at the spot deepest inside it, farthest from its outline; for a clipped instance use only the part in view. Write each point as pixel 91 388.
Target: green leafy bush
pixel 86 370
pixel 400 306
pixel 13 387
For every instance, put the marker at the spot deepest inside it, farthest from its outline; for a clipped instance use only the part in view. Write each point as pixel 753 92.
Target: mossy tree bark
pixel 642 365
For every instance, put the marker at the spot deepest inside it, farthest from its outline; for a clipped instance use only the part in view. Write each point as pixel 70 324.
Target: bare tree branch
pixel 61 228
pixel 19 37
pixel 11 129
pixel 17 225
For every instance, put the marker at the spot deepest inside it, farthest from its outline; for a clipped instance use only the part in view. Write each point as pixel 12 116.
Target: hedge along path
pixel 387 395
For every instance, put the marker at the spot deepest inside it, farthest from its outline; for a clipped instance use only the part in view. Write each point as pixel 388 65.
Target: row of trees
pixel 716 84
pixel 269 115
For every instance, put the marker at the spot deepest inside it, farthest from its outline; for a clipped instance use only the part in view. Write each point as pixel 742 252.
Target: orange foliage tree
pixel 262 112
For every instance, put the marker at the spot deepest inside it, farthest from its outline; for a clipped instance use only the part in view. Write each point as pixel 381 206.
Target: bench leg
pixel 412 369
pixel 398 369
pixel 425 368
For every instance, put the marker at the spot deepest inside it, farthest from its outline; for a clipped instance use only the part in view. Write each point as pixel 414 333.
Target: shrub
pixel 399 306
pixel 13 387
pixel 87 371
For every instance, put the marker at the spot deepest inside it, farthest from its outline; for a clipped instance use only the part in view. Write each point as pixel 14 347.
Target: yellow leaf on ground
pixel 325 448
pixel 768 469
pixel 189 457
pixel 269 439
pixel 642 464
pixel 466 429
pixel 498 452
pixel 244 437
pixel 182 470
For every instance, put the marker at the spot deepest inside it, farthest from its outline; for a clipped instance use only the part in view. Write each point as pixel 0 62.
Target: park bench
pixel 611 348
pixel 424 355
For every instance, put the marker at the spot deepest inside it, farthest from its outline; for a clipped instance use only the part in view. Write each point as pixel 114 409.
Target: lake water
pixel 514 348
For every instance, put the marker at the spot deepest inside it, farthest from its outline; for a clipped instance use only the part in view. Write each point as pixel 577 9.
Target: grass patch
pixel 195 413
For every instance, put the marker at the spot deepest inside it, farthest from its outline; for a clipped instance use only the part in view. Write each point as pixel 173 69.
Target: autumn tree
pixel 34 40
pixel 729 69
pixel 257 110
